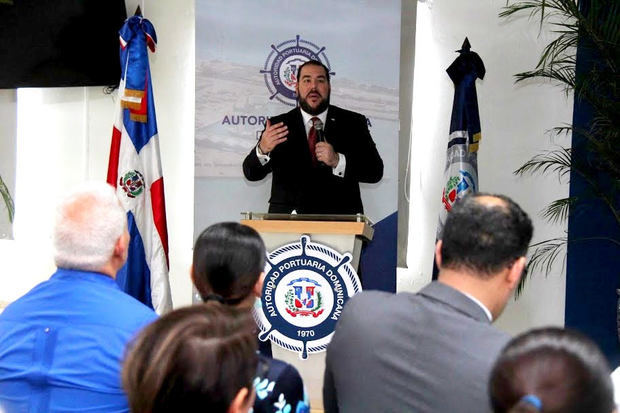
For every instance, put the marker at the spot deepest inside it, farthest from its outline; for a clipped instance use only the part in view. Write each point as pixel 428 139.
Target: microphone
pixel 320 133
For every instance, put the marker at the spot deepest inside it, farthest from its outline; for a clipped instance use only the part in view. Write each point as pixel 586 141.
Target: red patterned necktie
pixel 312 140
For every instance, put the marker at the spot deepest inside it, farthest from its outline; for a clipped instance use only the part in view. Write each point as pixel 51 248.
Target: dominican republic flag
pixel 134 170
pixel 461 170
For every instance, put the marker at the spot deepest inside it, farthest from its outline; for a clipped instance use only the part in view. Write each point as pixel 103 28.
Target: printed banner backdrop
pixel 244 54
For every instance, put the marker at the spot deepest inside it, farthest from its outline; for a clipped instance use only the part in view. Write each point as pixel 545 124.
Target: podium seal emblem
pixel 306 287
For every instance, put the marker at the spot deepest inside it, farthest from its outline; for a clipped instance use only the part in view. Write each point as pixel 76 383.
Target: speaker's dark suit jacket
pixel 430 352
pixel 298 185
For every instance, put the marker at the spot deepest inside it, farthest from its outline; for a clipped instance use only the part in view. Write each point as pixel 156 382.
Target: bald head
pixel 491 201
pixel 89 222
pixel 484 233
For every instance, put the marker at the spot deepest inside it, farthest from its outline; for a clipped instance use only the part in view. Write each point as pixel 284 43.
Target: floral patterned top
pixel 279 388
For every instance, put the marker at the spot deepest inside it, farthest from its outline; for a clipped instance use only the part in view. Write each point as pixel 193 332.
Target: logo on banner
pixel 280 70
pixel 305 290
pixel 132 183
pixel 456 188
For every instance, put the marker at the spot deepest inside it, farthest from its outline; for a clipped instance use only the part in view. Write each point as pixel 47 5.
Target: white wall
pixel 64 137
pixel 513 118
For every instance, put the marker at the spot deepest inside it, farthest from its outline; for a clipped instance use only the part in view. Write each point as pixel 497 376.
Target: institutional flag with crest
pixel 461 170
pixel 134 169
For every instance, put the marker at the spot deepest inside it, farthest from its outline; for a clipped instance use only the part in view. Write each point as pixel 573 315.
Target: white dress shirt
pixel 484 308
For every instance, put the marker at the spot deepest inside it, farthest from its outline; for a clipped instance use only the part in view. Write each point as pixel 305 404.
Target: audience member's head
pixel 551 370
pixel 195 359
pixel 485 233
pixel 229 260
pixel 482 248
pixel 90 229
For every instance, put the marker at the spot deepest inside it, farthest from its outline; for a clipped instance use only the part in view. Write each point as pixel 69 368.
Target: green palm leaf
pixel 542 257
pixel 558 210
pixel 8 200
pixel 594 25
pixel 555 161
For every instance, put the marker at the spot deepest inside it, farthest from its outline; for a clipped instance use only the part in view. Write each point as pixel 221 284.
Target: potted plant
pixel 8 200
pixel 594 26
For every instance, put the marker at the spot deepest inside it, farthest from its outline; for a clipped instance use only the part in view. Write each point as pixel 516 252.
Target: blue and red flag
pixel 461 170
pixel 134 169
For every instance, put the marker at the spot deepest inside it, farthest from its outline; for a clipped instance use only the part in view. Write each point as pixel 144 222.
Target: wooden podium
pixel 342 233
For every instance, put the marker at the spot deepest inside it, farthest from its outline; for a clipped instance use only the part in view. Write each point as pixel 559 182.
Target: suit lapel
pixel 330 123
pixel 333 134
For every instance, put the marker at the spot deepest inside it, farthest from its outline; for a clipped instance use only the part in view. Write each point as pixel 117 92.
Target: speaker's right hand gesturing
pixel 272 136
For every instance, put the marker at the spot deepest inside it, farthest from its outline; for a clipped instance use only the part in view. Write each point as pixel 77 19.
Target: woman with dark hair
pixel 551 370
pixel 196 359
pixel 228 267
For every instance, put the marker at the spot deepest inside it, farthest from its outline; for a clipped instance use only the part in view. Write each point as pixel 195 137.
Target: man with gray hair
pixel 62 343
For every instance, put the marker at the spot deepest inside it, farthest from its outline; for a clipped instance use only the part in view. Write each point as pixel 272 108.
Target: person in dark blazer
pixel 433 351
pixel 323 181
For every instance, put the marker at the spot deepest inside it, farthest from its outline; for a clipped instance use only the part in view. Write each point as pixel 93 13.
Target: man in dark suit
pixel 324 180
pixel 433 351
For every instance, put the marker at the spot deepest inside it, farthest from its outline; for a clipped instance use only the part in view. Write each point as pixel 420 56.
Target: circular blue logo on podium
pixel 305 289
